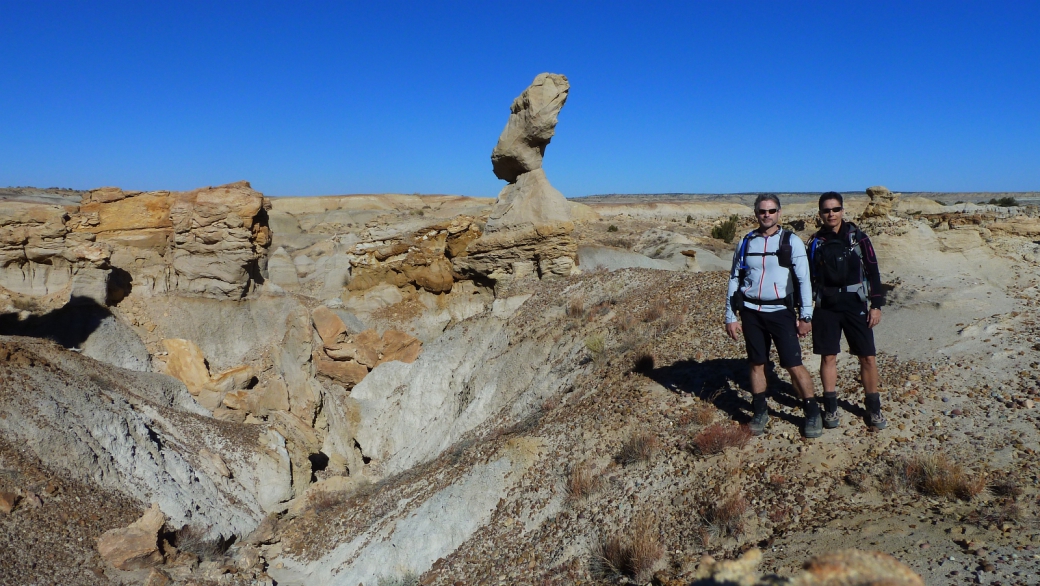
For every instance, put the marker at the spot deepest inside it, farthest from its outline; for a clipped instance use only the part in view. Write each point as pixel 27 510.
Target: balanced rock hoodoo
pixel 881 202
pixel 529 229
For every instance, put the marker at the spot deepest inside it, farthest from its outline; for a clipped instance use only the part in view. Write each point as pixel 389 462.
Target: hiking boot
pixel 877 421
pixel 813 426
pixel 758 423
pixel 831 420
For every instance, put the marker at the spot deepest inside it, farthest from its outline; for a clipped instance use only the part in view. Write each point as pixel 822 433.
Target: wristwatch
pixel 807 319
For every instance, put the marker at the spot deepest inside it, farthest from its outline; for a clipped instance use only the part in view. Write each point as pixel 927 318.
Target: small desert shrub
pixel 193 540
pixel 583 482
pixel 576 307
pixel 716 438
pixel 323 501
pixel 670 323
pixel 1006 486
pixel 601 308
pixel 618 242
pixel 595 344
pixel 780 514
pixel 777 481
pixel 655 311
pixel 702 413
pixel 643 363
pixel 689 219
pixel 612 228
pixel 1006 202
pixel 858 480
pixel 627 322
pixel 727 230
pixel 639 448
pixel 636 557
pixel 725 516
pixel 997 514
pixel 937 475
pixel 406 579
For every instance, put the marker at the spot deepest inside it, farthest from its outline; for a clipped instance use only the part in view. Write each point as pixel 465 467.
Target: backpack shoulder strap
pixel 742 252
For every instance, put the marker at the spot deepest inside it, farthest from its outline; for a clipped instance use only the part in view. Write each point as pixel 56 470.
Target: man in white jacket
pixel 768 279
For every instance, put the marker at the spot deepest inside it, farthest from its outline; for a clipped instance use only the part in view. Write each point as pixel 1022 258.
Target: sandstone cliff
pixel 207 242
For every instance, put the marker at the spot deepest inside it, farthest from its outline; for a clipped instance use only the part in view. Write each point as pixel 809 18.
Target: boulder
pixel 330 327
pixel 8 500
pixel 881 202
pixel 186 363
pixel 400 346
pixel 347 372
pixel 531 125
pixel 852 566
pixel 134 547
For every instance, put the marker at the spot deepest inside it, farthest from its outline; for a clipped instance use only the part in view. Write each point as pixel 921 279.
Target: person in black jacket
pixel 847 291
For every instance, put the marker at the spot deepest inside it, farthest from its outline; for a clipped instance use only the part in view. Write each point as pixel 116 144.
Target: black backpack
pixel 833 265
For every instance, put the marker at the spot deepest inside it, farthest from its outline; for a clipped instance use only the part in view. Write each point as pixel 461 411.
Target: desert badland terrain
pixel 217 387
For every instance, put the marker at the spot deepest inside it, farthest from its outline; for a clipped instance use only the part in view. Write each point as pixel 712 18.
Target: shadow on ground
pixel 711 380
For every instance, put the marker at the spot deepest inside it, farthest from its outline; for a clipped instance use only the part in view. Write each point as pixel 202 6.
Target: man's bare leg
pixel 758 399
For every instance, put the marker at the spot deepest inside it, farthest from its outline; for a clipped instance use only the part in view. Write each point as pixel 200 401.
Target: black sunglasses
pixel 767 212
pixel 830 210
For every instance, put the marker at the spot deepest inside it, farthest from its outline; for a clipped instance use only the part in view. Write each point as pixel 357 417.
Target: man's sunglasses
pixel 767 212
pixel 830 210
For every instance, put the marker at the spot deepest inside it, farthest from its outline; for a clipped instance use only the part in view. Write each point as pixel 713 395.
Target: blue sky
pixel 305 98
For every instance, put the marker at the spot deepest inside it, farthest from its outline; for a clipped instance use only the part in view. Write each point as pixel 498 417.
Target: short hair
pixel 767 197
pixel 832 195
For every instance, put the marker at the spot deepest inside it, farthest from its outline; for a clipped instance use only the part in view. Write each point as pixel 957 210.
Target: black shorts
pixel 829 324
pixel 762 327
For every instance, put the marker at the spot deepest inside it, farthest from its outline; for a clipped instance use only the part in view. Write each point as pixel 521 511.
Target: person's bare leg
pixel 829 372
pixel 871 397
pixel 758 379
pixel 759 408
pixel 802 381
pixel 868 372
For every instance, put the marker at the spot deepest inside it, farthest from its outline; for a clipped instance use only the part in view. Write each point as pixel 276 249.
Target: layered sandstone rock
pixel 881 202
pixel 206 242
pixel 348 359
pixel 422 258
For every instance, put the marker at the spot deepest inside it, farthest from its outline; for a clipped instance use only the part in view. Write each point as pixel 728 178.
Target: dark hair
pixel 767 197
pixel 832 195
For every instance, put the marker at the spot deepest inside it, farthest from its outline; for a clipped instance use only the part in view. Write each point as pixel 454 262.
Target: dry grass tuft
pixel 714 439
pixel 323 501
pixel 702 413
pixel 725 516
pixel 639 448
pixel 644 363
pixel 636 557
pixel 1006 486
pixel 583 482
pixel 576 307
pixel 937 475
pixel 601 308
pixel 193 540
pixel 655 311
